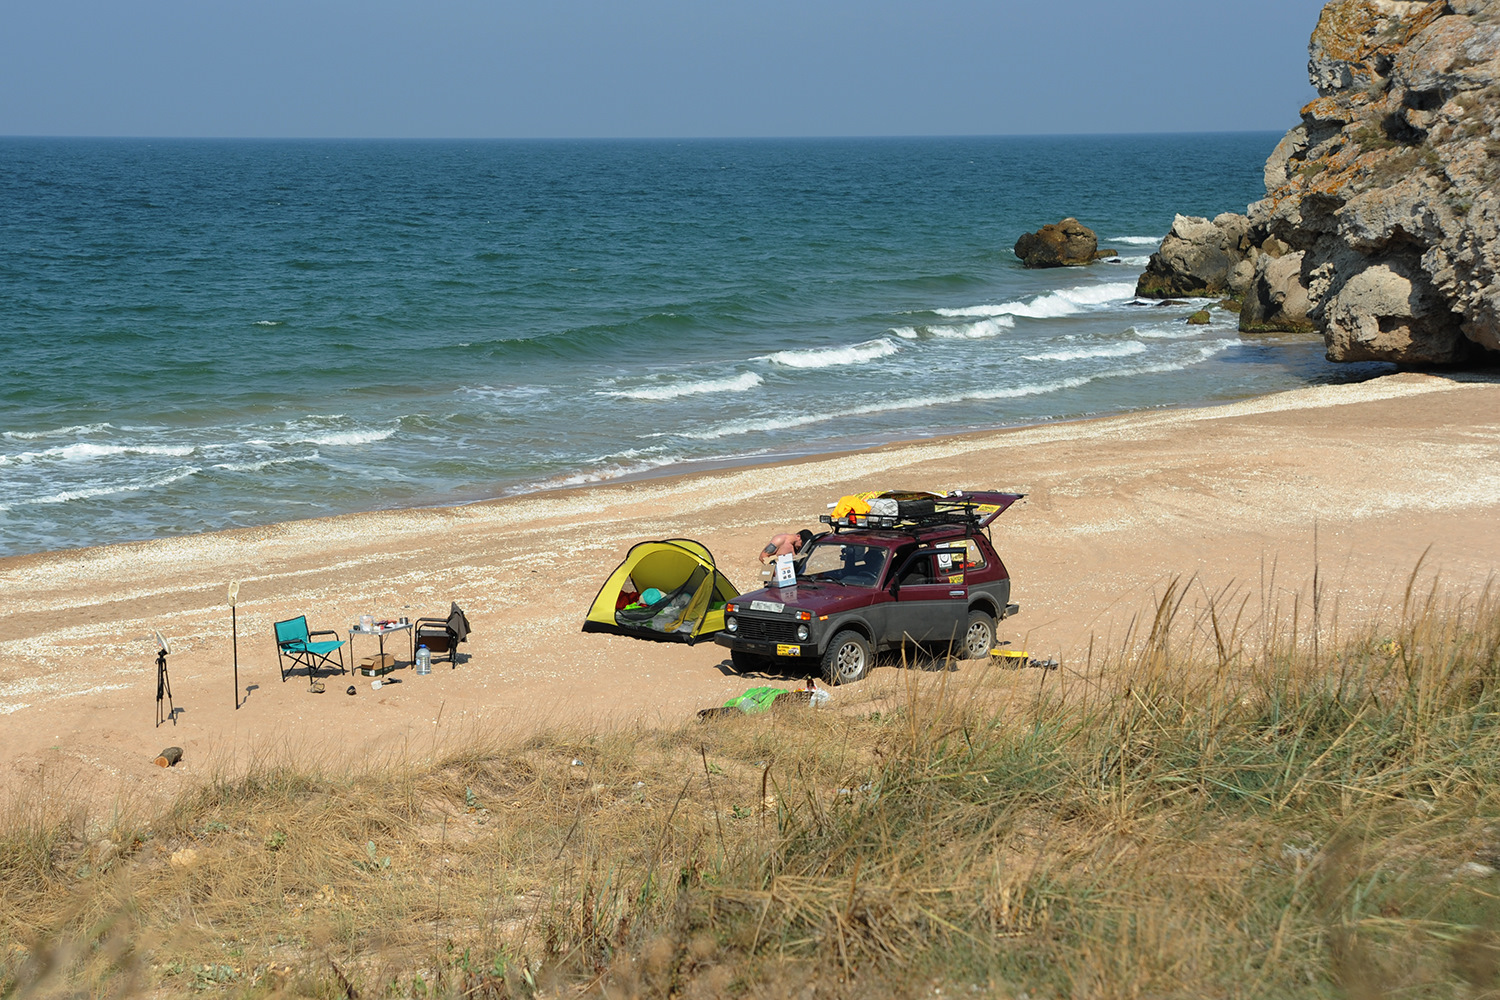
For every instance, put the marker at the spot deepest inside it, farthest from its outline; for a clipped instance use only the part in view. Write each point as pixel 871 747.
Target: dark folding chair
pixel 295 643
pixel 441 636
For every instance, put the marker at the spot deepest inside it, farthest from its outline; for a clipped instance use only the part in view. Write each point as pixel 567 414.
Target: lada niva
pixel 874 583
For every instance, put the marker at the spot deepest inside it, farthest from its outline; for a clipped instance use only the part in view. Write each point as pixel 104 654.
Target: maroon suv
pixel 871 583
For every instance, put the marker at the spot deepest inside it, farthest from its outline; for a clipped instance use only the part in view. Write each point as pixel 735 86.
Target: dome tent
pixel 690 604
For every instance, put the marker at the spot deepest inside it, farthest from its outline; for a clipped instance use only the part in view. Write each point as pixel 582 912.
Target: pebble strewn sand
pixel 1378 473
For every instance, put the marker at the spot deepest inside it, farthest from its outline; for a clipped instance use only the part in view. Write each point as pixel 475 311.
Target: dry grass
pixel 1240 802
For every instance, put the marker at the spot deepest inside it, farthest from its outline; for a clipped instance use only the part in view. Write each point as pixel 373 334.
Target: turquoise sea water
pixel 205 334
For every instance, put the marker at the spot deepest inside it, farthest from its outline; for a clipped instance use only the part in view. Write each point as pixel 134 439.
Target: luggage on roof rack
pixel 908 511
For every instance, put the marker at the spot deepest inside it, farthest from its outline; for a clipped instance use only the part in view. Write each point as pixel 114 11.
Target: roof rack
pixel 915 515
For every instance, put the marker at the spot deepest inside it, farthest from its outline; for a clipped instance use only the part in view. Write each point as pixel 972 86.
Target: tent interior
pixel 663 590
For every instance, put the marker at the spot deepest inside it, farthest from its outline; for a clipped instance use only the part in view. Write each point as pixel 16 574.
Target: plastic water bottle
pixel 424 660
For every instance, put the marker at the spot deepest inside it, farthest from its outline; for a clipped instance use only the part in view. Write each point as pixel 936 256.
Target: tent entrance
pixel 693 593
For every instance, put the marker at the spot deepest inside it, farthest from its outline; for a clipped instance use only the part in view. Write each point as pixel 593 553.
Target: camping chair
pixel 442 635
pixel 294 642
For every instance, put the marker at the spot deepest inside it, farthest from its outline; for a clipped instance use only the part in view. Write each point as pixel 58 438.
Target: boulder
pixel 1276 300
pixel 1197 258
pixel 1068 243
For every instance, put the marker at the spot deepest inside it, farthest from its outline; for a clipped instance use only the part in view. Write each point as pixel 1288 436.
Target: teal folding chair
pixel 295 643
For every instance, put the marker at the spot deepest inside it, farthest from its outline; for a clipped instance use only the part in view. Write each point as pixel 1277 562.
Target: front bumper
pixel 759 647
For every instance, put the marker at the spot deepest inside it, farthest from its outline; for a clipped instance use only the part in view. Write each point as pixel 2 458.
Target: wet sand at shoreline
pixel 1365 480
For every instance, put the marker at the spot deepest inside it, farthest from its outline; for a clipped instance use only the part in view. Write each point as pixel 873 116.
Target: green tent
pixel 693 594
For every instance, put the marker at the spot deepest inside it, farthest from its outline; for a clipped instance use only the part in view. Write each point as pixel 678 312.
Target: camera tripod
pixel 164 690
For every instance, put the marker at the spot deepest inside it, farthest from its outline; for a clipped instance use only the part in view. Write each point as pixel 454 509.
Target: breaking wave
pixel 1063 302
pixel 90 493
pixel 85 451
pixel 674 390
pixel 828 357
pixel 72 431
pixel 1124 350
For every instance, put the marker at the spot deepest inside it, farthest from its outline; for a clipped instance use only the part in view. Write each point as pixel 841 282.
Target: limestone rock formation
pixel 1388 187
pixel 1068 243
pixel 1381 222
pixel 1200 258
pixel 1276 298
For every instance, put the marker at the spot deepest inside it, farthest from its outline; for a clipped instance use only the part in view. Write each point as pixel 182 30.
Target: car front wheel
pixel 847 658
pixel 979 636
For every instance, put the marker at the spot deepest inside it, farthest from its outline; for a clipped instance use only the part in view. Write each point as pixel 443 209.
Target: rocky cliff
pixel 1381 221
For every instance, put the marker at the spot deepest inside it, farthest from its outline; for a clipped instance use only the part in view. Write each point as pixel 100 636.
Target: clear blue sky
pixel 659 68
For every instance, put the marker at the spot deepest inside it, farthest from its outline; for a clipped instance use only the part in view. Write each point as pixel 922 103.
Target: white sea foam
pixel 1136 241
pixel 331 438
pixel 268 322
pixel 265 463
pixel 73 431
pixel 738 427
pixel 85 451
pixel 828 357
pixel 1121 350
pixel 673 390
pixel 981 330
pixel 103 491
pixel 1063 302
pixel 508 392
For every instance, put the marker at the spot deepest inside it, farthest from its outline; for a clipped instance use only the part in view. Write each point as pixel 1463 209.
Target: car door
pixel 931 600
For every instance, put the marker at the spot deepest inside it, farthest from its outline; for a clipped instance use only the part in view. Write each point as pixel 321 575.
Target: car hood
pixel 819 598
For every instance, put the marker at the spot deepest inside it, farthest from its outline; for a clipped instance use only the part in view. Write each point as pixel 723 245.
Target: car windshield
pixel 844 562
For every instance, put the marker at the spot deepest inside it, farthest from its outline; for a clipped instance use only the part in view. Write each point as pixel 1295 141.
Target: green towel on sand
pixel 755 700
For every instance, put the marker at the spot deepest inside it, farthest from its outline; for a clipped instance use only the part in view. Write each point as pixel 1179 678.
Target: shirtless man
pixel 780 545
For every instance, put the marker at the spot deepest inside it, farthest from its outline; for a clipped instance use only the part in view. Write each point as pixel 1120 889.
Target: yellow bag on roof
pixel 854 503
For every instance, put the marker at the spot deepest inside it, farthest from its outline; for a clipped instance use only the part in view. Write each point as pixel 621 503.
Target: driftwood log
pixel 169 757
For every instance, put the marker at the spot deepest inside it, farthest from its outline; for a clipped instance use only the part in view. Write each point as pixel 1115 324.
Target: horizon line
pixel 628 138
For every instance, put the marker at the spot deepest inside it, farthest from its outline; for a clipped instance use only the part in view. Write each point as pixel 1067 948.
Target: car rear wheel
pixel 979 636
pixel 847 658
pixel 745 662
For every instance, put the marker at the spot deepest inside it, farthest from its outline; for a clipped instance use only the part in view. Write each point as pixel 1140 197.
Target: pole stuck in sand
pixel 234 630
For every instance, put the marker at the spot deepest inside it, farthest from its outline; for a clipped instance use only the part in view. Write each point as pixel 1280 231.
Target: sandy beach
pixel 1365 479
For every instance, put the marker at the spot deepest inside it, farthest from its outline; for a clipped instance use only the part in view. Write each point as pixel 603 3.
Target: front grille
pixel 766 629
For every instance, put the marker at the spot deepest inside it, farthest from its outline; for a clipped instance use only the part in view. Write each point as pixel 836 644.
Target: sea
pixel 206 334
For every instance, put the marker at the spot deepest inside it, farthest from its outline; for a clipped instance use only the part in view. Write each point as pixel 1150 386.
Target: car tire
pixel 847 658
pixel 979 636
pixel 745 662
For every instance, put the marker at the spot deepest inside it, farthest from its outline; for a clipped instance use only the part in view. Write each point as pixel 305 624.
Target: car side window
pixel 917 571
pixel 973 555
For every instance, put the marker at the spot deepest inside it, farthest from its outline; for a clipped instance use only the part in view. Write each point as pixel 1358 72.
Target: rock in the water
pixel 1197 258
pixel 1276 299
pixel 1200 318
pixel 1068 243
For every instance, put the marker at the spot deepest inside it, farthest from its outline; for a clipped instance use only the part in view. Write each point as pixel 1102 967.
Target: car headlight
pixel 732 624
pixel 802 632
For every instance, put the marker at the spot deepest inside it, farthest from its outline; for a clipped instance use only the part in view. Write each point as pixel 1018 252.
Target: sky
pixel 649 68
